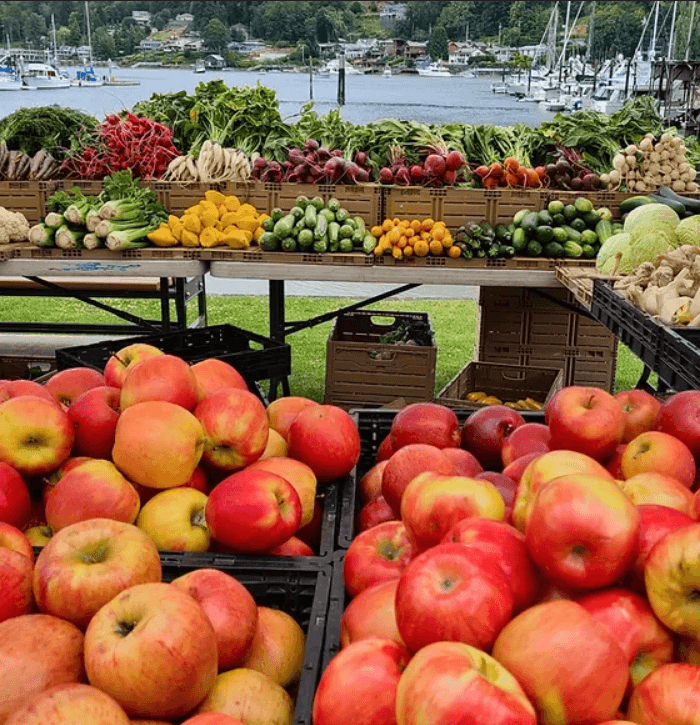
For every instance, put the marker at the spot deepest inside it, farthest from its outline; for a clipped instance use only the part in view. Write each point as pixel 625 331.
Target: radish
pixel 386 176
pixel 454 161
pixel 435 165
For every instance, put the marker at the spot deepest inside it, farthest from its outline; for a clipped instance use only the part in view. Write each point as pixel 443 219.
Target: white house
pixel 184 18
pixel 391 13
pixel 148 44
pixel 142 17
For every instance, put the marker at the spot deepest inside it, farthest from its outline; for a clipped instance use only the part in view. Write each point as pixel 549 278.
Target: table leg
pixel 277 330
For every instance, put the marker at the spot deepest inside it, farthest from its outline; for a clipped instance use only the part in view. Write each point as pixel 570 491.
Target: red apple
pixel 614 465
pixel 656 452
pixel 694 511
pixel 205 718
pixel 385 449
pixel 582 531
pixel 486 430
pixel 376 555
pixel 640 409
pixel 429 423
pixel 515 470
pixel 452 593
pixel 51 481
pixel 671 694
pixel 162 668
pixel 174 520
pixel 164 378
pixel 16 569
pixel 370 485
pixel 570 666
pixel 16 388
pixel 464 462
pixel 95 414
pixel 275 446
pixel 524 440
pixel 283 411
pixel 69 384
pixel 680 417
pixel 292 547
pixel 229 607
pixel 587 420
pixel 15 505
pixel 122 361
pixel 506 486
pixel 253 511
pixel 374 513
pixel 655 488
pixel 369 669
pixel 371 613
pixel 213 374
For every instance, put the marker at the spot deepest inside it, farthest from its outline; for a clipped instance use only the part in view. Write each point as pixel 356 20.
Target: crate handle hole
pixel 385 321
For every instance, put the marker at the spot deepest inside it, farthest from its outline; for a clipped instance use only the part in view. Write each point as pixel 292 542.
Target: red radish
pixel 454 161
pixel 386 176
pixel 435 165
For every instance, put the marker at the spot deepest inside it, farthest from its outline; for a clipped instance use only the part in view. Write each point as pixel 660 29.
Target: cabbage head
pixel 614 244
pixel 688 231
pixel 640 248
pixel 652 218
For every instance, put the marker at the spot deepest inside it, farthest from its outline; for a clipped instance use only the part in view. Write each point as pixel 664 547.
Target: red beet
pixel 323 154
pixel 386 176
pixel 333 169
pixel 402 177
pixel 311 145
pixel 449 178
pixel 418 175
pixel 435 165
pixel 454 161
pixel 296 156
pixel 336 152
pixel 363 176
pixel 360 158
pixel 260 163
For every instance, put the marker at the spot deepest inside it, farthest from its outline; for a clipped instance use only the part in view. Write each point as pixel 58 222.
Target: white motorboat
pixel 387 73
pixel 43 76
pixel 10 80
pixel 499 88
pixel 333 68
pixel 199 67
pixel 434 70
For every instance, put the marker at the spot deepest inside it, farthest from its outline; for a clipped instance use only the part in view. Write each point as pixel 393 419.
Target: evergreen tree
pixel 437 45
pixel 215 35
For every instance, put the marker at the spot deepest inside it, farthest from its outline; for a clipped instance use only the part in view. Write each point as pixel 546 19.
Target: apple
pixel 614 465
pixel 656 452
pixel 525 440
pixel 406 464
pixel 371 613
pixel 376 555
pixel 122 361
pixel 628 617
pixel 213 374
pixel 569 665
pixel 385 449
pixel 15 504
pixel 253 511
pixel 51 481
pixel 582 531
pixel 656 488
pixel 165 378
pixel 506 486
pixel 158 444
pixel 672 581
pixel 433 503
pixel 451 682
pixel 485 432
pixel 235 428
pixel 250 696
pixel 37 651
pixel 292 547
pixel 640 410
pixel 208 718
pixel 671 694
pixel 16 388
pixel 553 593
pixel 281 412
pixel 86 564
pixel 95 414
pixel 464 462
pixel 374 513
pixel 429 423
pixel 229 607
pixel 72 702
pixel 276 446
pixel 505 545
pixel 452 593
pixel 16 569
pixel 325 437
pixel 369 486
pixel 93 490
pixel 69 384
pixel 585 419
pixel 679 416
pixel 36 436
pixel 153 650
pixel 198 481
pixel 174 520
pixel 369 671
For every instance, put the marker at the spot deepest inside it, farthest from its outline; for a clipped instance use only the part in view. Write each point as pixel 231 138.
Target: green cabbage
pixel 688 231
pixel 635 251
pixel 610 248
pixel 652 218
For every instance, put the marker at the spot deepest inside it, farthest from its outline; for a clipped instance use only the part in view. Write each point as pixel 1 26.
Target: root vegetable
pixel 620 163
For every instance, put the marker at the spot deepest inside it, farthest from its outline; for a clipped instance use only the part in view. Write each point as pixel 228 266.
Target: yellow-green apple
pixel 657 452
pixel 485 432
pixel 371 613
pixel 376 555
pixel 229 607
pixel 122 361
pixel 276 445
pixel 628 617
pixel 95 414
pixel 16 388
pixel 209 718
pixel 659 489
pixel 15 504
pixel 94 490
pixel 16 569
pixel 277 649
pixel 153 650
pixel 281 412
pixel 163 377
pixel 198 481
pixel 213 374
pixel 525 440
pixel 429 423
pixel 292 547
pixel 464 462
pixel 250 696
pixel 51 481
pixel 39 535
pixel 546 468
pixel 452 593
pixel 86 564
pixel 671 694
pixel 69 384
pixel 385 449
pixel 235 428
pixel 566 680
pixel 433 503
pixel 369 669
pixel 451 682
pixel 374 513
pixel 614 465
pixel 36 435
pixel 253 511
pixel 406 464
pixel 506 486
pixel 369 486
pixel 505 545
pixel 582 531
pixel 37 651
pixel 640 409
pixel 158 444
pixel 585 419
pixel 680 417
pixel 299 475
pixel 174 520
pixel 672 580
pixel 326 438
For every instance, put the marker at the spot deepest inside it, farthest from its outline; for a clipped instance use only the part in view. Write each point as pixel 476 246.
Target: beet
pixel 402 177
pixel 288 165
pixel 300 169
pixel 296 156
pixel 386 176
pixel 435 165
pixel 323 154
pixel 418 175
pixel 260 163
pixel 311 145
pixel 591 181
pixel 360 158
pixel 336 152
pixel 310 159
pixel 454 161
pixel 274 166
pixel 363 176
pixel 449 177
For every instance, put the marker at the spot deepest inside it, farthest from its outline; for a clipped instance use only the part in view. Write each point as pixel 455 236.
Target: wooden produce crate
pixel 176 197
pixel 454 206
pixel 26 197
pixel 362 372
pixel 508 383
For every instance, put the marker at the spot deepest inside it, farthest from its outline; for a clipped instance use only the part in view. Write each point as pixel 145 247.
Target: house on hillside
pixel 184 19
pixel 391 13
pixel 149 44
pixel 214 62
pixel 141 17
pixel 410 48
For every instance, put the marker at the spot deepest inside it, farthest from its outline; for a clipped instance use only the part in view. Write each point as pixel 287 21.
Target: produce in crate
pixel 404 238
pixel 439 167
pixel 509 173
pixel 14 226
pixel 214 164
pixel 17 166
pixel 480 240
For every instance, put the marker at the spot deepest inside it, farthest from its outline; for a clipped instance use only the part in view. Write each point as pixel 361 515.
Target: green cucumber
pixel 627 205
pixel 604 230
pixel 341 215
pixel 268 225
pixel 560 235
pixel 578 224
pixel 321 228
pixel 554 249
pixel 583 205
pixel 544 234
pixel 310 216
pixel 283 228
pixel 589 252
pixel 588 236
pixel 544 218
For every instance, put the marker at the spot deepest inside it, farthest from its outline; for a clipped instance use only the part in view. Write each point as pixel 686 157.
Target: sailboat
pixel 43 75
pixel 86 78
pixel 9 76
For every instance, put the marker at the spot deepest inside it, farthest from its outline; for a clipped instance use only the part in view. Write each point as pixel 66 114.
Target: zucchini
pixel 297 212
pixel 627 205
pixel 360 224
pixel 268 225
pixel 321 228
pixel 310 216
pixel 346 231
pixel 604 230
pixel 321 245
pixel 677 206
pixel 276 214
pixel 691 205
pixel 289 244
pixel 328 214
pixel 317 203
pixel 302 202
pixel 283 228
pixel 341 215
pixel 333 205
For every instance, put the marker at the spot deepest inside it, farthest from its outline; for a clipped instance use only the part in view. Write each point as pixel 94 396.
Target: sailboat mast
pixel 55 45
pixel 671 43
pixel 566 31
pixel 591 27
pixel 652 47
pixel 690 30
pixel 87 16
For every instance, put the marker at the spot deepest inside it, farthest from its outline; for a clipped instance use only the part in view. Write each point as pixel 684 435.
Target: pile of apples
pixel 526 574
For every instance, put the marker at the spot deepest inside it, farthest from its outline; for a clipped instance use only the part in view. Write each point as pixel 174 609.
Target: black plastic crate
pixel 301 590
pixel 678 361
pixel 337 602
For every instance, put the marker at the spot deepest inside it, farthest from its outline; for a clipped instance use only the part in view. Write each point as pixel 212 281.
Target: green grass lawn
pixel 454 323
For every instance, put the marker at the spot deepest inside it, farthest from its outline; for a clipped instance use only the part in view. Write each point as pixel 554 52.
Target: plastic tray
pixel 338 600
